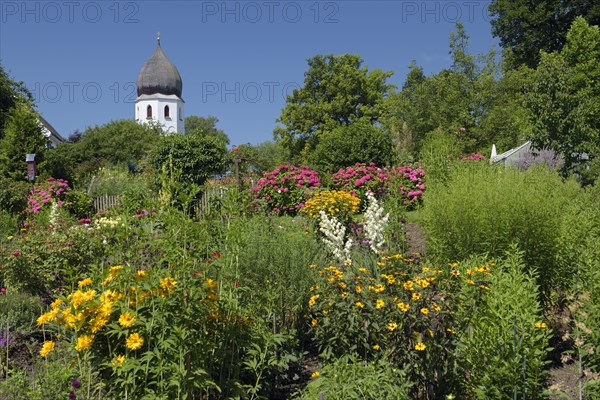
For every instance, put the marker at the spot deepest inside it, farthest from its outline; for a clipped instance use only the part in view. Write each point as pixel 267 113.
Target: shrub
pixel 398 307
pixel 485 209
pixel 349 377
pixel 140 326
pixel 285 189
pixel 504 351
pixel 337 203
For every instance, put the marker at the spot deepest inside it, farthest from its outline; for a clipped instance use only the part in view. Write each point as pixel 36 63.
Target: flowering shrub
pixel 401 308
pixel 139 326
pixel 362 178
pixel 284 190
pixel 472 157
pixel 334 237
pixel 337 203
pixel 45 193
pixel 376 222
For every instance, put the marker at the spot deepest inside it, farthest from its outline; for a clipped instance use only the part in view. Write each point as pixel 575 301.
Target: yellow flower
pixel 541 325
pixel 358 289
pixel 127 319
pixel 453 265
pixel 347 262
pixel 376 347
pixel 84 342
pixel 56 303
pixel 115 269
pixel 469 281
pixel 392 326
pixel 313 322
pixel 9 238
pixel 342 285
pixel 379 303
pixel 212 284
pixel 135 341
pixel 452 331
pixel 312 266
pixel 315 374
pixel 140 274
pixel 425 269
pixel 484 287
pixel 408 285
pixel 118 361
pixel 416 296
pixel 48 316
pixel 359 304
pixel 420 346
pixel 344 295
pixel 168 283
pixel 469 272
pixel 455 272
pixel 363 270
pixel 313 300
pixel 436 307
pixel 47 347
pixel 424 311
pixel 84 282
pixel 403 307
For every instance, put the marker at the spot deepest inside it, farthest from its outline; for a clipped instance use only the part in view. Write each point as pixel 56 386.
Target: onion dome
pixel 159 75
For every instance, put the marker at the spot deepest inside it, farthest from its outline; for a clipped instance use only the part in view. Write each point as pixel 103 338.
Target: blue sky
pixel 237 59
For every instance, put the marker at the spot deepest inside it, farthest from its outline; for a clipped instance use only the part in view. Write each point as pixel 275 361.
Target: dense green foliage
pixel 205 126
pixel 337 90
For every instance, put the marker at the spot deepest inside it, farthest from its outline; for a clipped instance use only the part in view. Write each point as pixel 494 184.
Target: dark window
pixel 167 114
pixel 149 112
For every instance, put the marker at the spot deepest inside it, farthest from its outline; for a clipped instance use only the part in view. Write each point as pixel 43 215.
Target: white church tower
pixel 159 93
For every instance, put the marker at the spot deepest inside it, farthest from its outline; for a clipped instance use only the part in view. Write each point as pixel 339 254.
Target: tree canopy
pixel 337 91
pixel 205 126
pixel 526 27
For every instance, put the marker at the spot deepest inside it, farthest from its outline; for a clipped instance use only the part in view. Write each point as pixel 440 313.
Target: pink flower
pixel 16 253
pixel 3 291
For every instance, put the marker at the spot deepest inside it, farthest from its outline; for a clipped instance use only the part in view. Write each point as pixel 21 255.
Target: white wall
pixel 174 124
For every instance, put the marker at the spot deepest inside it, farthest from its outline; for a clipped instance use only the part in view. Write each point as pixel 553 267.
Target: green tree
pixel 564 101
pixel 22 135
pixel 205 126
pixel 337 91
pixel 347 145
pixel 122 142
pixel 190 158
pixel 526 27
pixel 11 93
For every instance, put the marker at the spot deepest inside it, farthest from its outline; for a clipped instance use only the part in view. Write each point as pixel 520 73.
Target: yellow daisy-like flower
pixel 140 274
pixel 127 319
pixel 344 295
pixel 469 281
pixel 56 303
pixel 315 374
pixel 313 322
pixel 452 331
pixel 484 287
pixel 541 325
pixel 408 285
pixel 358 289
pixel 379 303
pixel 425 269
pixel 424 311
pixel 455 272
pixel 135 341
pixel 313 300
pixel 453 265
pixel 212 284
pixel 47 347
pixel 420 346
pixel 363 270
pixel 436 307
pixel 168 283
pixel 115 269
pixel 469 272
pixel 84 342
pixel 342 285
pixel 118 361
pixel 416 296
pixel 392 325
pixel 84 282
pixel 404 307
pixel 359 304
pixel 376 347
pixel 312 266
pixel 48 316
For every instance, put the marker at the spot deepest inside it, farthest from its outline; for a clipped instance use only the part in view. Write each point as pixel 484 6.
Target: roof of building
pixel 159 75
pixel 50 132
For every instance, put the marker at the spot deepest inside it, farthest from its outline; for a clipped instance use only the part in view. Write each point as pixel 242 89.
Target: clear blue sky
pixel 237 59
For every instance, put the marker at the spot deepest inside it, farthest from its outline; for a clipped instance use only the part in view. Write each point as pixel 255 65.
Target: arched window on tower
pixel 149 112
pixel 179 114
pixel 167 112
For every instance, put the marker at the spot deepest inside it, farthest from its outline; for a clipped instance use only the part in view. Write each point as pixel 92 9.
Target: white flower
pixel 376 222
pixel 334 234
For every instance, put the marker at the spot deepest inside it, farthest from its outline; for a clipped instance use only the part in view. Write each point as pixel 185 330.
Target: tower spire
pixel 158 38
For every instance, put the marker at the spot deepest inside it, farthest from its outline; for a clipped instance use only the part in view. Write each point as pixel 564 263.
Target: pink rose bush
pixel 284 190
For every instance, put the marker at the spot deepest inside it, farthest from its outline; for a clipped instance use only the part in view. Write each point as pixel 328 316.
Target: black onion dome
pixel 159 75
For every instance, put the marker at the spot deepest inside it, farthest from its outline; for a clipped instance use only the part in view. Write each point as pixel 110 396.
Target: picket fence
pixel 201 206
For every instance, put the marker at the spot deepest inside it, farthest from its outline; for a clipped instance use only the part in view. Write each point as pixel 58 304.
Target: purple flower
pixel 76 384
pixel 16 253
pixel 72 395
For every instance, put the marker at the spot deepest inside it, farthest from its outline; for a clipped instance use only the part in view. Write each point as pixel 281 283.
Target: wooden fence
pixel 201 207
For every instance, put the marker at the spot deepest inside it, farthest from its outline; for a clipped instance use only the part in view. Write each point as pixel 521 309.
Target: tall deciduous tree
pixel 337 91
pixel 22 135
pixel 525 27
pixel 205 126
pixel 11 93
pixel 565 101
